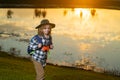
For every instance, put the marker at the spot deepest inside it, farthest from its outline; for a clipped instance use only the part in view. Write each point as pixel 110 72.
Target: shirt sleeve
pixel 51 40
pixel 33 44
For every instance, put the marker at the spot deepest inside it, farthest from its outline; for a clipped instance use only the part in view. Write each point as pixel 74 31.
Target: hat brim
pixel 51 24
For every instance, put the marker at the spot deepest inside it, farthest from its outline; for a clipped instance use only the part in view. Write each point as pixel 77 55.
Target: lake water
pixel 79 37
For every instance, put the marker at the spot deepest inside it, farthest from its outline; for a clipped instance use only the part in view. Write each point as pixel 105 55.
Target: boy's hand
pixel 51 46
pixel 39 45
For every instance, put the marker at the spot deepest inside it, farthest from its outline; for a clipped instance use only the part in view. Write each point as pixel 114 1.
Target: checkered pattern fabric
pixel 37 53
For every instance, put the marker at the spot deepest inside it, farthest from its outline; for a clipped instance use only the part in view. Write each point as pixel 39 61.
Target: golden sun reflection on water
pixel 81 32
pixel 85 47
pixel 81 11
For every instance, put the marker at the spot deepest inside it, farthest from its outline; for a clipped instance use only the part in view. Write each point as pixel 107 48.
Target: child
pixel 40 45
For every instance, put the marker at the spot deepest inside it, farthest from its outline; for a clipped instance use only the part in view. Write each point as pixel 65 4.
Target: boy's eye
pixel 46 28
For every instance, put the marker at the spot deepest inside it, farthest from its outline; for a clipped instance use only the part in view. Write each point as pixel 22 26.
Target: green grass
pixel 62 73
pixel 15 68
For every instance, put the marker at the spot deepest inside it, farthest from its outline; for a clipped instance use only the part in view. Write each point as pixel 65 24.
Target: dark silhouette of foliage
pixel 93 12
pixel 37 13
pixel 44 13
pixel 9 14
pixel 65 12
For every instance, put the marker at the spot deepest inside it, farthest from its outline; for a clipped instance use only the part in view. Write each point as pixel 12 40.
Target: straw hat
pixel 45 22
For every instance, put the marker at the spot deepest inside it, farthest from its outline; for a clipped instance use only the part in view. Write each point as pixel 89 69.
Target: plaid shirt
pixel 37 53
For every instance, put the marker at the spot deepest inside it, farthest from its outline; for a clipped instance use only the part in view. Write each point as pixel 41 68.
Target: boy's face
pixel 46 29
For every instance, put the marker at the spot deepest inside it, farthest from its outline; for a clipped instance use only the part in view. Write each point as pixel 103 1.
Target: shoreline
pixel 56 6
pixel 107 4
pixel 14 67
pixel 13 57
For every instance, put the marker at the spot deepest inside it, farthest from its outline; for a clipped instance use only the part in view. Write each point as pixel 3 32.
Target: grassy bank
pixel 14 68
pixel 64 73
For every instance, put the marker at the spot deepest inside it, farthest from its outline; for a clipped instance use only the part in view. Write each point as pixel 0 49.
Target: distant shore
pixel 108 4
